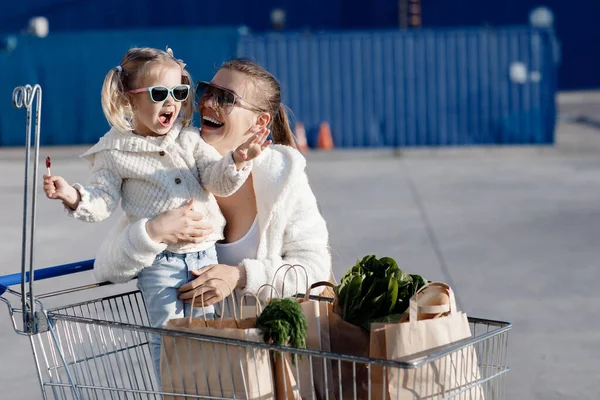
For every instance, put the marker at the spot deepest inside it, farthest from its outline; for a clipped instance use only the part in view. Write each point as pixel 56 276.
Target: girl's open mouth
pixel 165 119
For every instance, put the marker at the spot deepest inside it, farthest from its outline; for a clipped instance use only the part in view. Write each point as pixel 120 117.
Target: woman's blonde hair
pixel 134 67
pixel 267 97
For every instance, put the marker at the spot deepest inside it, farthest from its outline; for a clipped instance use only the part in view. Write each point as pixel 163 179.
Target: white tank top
pixel 247 247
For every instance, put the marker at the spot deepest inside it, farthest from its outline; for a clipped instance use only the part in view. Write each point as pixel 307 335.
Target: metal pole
pixel 23 97
pixel 403 14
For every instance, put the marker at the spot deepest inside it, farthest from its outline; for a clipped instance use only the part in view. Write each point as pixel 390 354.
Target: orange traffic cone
pixel 325 140
pixel 301 141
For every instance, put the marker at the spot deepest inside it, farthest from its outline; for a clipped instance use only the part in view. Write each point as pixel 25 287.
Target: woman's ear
pixel 263 120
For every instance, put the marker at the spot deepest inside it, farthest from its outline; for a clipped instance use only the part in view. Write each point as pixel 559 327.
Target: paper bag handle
pixel 273 288
pixel 290 267
pixel 414 308
pixel 202 298
pixel 258 305
pixel 316 285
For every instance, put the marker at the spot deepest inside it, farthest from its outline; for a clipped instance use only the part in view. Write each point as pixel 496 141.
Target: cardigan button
pixel 162 153
pixel 177 181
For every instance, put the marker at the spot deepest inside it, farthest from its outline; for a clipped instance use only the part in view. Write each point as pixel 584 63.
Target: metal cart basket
pixel 98 348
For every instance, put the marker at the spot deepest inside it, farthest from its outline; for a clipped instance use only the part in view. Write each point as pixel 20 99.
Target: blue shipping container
pixel 417 88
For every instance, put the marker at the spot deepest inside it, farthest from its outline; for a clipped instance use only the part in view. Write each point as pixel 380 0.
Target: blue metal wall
pixel 415 88
pixel 379 88
pixel 71 69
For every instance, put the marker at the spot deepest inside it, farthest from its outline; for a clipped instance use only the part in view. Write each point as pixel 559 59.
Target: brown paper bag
pixel 317 338
pixel 377 349
pixel 286 384
pixel 195 366
pixel 443 377
pixel 284 371
pixel 431 304
pixel 201 367
pixel 346 338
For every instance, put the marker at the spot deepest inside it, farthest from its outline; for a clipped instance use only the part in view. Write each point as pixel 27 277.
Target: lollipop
pixel 48 163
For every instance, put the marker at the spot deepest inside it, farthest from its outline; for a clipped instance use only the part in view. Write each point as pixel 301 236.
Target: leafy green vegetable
pixel 376 290
pixel 283 323
pixel 418 283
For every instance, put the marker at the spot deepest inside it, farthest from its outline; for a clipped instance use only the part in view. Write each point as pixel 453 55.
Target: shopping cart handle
pixel 45 273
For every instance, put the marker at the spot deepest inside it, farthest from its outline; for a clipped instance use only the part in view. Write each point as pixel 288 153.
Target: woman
pixel 272 220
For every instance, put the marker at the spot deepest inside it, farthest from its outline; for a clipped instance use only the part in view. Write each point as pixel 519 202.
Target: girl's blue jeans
pixel 159 283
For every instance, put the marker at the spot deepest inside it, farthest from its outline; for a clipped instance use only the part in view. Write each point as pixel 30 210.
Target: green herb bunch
pixel 283 323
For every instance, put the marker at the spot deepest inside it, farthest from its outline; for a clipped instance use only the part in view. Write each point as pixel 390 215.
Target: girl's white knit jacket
pixel 292 231
pixel 151 177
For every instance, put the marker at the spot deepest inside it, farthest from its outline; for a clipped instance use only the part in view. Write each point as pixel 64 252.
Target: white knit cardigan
pixel 292 231
pixel 151 177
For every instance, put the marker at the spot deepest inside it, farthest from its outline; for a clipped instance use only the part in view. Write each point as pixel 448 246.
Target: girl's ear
pixel 127 100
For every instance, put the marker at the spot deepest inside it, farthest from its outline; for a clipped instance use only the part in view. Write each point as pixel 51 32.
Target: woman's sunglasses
pixel 224 99
pixel 160 93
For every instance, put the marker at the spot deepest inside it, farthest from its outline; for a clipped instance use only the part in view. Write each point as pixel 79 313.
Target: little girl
pixel 153 162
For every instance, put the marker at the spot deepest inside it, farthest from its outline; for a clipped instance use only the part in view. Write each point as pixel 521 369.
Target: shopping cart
pixel 98 347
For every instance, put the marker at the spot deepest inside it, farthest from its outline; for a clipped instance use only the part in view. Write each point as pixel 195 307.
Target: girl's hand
pixel 251 148
pixel 180 225
pixel 57 188
pixel 235 277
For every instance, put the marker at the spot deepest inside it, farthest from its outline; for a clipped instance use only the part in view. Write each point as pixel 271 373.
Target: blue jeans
pixel 159 283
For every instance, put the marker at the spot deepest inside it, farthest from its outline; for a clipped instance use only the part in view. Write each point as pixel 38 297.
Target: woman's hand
pixel 179 225
pixel 214 289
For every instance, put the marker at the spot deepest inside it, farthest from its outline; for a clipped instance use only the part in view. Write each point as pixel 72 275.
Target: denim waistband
pixel 182 256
